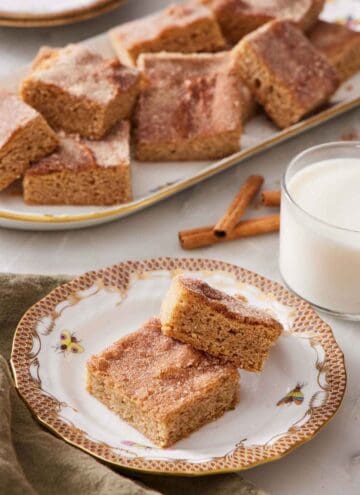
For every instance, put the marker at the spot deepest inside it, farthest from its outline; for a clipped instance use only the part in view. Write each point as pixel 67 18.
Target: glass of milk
pixel 320 228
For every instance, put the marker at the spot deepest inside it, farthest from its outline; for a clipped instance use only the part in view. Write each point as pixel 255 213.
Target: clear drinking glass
pixel 320 262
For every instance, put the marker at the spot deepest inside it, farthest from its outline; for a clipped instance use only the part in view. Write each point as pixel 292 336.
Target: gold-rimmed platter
pixel 298 393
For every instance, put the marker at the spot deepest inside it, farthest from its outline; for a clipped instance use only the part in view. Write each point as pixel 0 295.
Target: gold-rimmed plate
pixel 298 393
pixel 43 14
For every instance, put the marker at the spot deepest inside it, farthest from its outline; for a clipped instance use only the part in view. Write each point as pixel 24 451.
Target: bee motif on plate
pixel 295 396
pixel 69 343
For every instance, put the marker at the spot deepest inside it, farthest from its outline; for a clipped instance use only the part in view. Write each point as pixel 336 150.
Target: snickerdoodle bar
pixel 24 137
pixel 83 172
pixel 162 387
pixel 239 17
pixel 185 28
pixel 219 324
pixel 340 45
pixel 286 74
pixel 190 108
pixel 79 91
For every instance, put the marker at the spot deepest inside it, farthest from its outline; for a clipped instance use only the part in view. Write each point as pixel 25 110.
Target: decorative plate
pixel 299 391
pixel 41 13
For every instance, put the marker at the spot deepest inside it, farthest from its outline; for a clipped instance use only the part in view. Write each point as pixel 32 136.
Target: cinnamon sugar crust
pixel 82 171
pixel 219 324
pixel 186 28
pixel 14 114
pixel 158 371
pixel 24 137
pixel 155 383
pixel 286 74
pixel 71 154
pixel 82 72
pixel 190 109
pixel 230 306
pixel 113 149
pixel 340 45
pixel 77 90
pixel 239 17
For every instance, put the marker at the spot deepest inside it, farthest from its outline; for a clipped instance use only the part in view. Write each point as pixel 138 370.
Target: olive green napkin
pixel 33 461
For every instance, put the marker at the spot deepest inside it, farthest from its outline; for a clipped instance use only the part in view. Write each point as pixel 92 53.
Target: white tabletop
pixel 330 463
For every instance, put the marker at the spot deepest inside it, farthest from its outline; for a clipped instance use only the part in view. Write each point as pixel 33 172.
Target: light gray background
pixel 330 463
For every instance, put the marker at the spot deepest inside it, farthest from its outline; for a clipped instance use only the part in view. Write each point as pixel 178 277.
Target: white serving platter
pixel 153 182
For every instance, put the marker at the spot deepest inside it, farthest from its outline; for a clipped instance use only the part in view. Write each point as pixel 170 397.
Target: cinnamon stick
pixel 205 236
pixel 271 198
pixel 238 206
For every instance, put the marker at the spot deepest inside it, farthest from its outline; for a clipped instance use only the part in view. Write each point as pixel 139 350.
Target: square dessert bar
pixel 185 28
pixel 83 172
pixel 239 17
pixel 24 137
pixel 219 324
pixel 190 108
pixel 79 91
pixel 286 74
pixel 162 387
pixel 339 44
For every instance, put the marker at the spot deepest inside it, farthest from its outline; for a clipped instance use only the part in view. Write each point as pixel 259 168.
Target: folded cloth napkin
pixel 33 461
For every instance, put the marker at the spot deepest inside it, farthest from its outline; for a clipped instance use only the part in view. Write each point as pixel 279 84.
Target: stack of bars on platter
pixel 186 81
pixel 180 371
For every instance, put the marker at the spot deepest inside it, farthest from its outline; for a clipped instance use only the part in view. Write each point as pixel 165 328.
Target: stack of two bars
pixel 179 372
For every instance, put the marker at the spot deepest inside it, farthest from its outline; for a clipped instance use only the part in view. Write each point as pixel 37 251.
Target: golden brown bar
pixel 79 91
pixel 191 108
pixel 339 44
pixel 186 28
pixel 162 387
pixel 221 325
pixel 238 18
pixel 286 74
pixel 24 137
pixel 83 172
